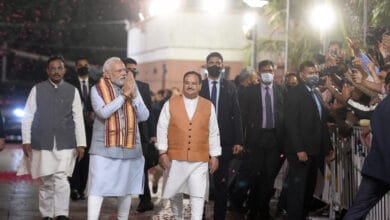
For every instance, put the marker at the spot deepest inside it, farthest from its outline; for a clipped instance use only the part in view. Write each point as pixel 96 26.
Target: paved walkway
pixel 19 197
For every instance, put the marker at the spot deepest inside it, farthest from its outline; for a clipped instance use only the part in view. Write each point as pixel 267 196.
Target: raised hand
pixel 128 89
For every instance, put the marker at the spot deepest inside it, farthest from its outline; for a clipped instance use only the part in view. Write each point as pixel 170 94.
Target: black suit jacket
pixel 252 113
pixel 147 128
pixel 377 163
pixel 305 129
pixel 88 122
pixel 229 118
pixel 2 135
pixel 76 83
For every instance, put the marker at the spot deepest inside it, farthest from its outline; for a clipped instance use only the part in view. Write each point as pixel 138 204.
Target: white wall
pixel 191 36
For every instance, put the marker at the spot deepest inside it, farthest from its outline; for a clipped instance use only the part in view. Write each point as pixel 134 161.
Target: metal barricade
pixel 345 175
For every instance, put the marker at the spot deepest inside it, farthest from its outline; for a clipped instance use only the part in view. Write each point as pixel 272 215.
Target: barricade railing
pixel 345 177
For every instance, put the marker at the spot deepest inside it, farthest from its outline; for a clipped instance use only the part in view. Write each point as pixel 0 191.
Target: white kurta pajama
pixel 185 176
pixel 52 166
pixel 114 171
pixel 111 168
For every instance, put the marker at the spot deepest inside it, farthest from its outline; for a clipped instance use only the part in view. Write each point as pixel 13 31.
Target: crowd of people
pixel 102 137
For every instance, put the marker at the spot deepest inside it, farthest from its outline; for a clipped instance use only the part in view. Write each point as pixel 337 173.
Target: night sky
pixel 72 28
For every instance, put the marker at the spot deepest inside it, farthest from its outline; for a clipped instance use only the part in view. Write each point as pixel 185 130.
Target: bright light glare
pixel 159 7
pixel 141 16
pixel 19 112
pixel 249 21
pixel 214 6
pixel 322 17
pixel 256 3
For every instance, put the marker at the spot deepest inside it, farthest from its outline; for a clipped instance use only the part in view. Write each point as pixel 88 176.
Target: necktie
pixel 318 97
pixel 214 94
pixel 269 123
pixel 84 91
pixel 318 94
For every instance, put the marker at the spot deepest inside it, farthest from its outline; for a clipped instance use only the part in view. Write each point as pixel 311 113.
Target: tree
pixel 304 42
pixel 90 28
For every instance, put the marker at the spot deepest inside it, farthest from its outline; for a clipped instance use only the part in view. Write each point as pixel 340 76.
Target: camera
pixel 330 70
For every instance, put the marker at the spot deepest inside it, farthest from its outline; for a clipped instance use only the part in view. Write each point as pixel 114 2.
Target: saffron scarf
pixel 114 135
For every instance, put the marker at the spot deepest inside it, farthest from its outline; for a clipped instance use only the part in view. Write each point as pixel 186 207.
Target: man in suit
pixel 376 176
pixel 222 93
pixel 83 83
pixel 263 123
pixel 308 141
pixel 2 135
pixel 147 132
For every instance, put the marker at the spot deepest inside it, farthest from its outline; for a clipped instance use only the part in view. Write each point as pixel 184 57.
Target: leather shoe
pixel 82 196
pixel 154 188
pixel 62 217
pixel 266 216
pixel 251 215
pixel 75 195
pixel 145 206
pixel 47 218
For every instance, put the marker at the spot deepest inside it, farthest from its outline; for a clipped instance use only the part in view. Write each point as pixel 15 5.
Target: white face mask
pixel 267 77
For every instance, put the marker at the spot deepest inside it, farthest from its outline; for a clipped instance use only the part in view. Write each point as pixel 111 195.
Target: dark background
pixel 72 28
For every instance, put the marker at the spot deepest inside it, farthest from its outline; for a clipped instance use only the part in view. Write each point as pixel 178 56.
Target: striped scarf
pixel 114 135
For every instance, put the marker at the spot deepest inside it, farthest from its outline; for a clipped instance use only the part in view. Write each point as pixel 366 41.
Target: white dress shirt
pixel 190 106
pixel 86 83
pixel 48 162
pixel 218 86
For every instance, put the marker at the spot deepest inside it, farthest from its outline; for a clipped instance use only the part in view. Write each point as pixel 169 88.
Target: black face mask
pixel 288 87
pixel 135 72
pixel 83 71
pixel 214 71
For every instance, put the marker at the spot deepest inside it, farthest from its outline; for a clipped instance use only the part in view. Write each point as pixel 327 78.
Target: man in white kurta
pixel 189 173
pixel 53 136
pixel 116 168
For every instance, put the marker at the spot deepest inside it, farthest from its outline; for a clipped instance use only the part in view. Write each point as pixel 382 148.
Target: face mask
pixel 267 77
pixel 312 79
pixel 214 71
pixel 135 72
pixel 83 71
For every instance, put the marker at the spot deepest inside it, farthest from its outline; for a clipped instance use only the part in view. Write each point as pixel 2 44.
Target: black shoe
pixel 251 215
pixel 154 188
pixel 82 196
pixel 145 206
pixel 62 217
pixel 265 216
pixel 75 195
pixel 282 212
pixel 47 218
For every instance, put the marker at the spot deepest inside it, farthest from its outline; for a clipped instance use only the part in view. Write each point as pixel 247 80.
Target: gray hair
pixel 107 64
pixel 246 72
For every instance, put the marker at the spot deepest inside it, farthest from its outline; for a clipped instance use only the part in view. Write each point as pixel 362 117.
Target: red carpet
pixel 11 177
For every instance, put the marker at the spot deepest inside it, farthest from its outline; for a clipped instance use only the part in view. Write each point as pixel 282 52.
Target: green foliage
pixel 381 13
pixel 304 42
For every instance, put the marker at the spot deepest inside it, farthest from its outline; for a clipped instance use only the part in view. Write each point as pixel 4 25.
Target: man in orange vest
pixel 189 143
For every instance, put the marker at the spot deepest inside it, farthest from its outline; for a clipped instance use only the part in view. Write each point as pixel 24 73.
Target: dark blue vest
pixel 53 117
